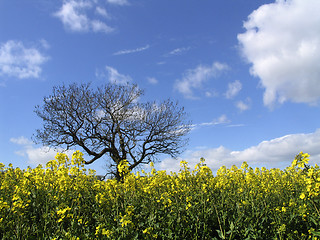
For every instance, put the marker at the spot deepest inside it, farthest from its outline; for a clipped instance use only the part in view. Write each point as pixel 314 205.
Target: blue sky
pixel 246 71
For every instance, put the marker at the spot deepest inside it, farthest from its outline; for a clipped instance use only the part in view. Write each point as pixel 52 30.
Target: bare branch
pixel 111 121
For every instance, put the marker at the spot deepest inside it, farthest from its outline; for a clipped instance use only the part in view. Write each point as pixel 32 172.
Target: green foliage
pixel 66 201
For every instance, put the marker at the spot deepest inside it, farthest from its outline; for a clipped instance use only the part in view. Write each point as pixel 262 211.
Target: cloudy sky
pixel 246 71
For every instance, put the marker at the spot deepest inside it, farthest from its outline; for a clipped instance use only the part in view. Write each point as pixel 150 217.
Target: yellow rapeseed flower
pixel 148 230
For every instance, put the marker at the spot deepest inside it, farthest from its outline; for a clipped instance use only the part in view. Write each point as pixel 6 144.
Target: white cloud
pixel 223 119
pixel 179 51
pixel 98 26
pixel 233 89
pixel 74 16
pixel 208 94
pixel 44 44
pixel 195 78
pixel 128 51
pixel 21 141
pixel 35 155
pixel 236 125
pixel 278 152
pixel 282 42
pixel 244 105
pixel 40 155
pixel 102 12
pixel 19 61
pixel 211 93
pixel 114 76
pixel 118 2
pixel 152 80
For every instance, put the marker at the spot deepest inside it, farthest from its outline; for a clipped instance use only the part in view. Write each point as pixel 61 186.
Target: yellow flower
pixel 183 163
pixel 98 229
pixel 123 167
pixel 148 230
pixel 188 206
pixel 244 165
pixel 302 196
pixel 125 221
pixel 129 210
pixel 62 158
pixel 77 158
pixel 106 232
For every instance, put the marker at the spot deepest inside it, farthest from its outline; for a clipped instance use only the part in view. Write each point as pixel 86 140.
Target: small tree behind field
pixel 110 121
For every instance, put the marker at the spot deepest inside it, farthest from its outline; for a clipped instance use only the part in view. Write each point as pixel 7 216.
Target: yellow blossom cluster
pixel 63 200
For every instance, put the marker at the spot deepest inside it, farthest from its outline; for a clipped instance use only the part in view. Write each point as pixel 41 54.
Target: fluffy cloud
pixel 152 80
pixel 19 61
pixel 233 89
pixel 195 78
pixel 74 16
pixel 102 12
pixel 21 141
pixel 99 26
pixel 278 152
pixel 114 76
pixel 282 42
pixel 243 105
pixel 36 156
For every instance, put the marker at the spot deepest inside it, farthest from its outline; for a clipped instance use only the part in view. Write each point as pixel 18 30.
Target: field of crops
pixel 63 200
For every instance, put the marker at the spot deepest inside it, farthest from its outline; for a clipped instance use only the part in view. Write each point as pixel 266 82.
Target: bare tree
pixel 111 121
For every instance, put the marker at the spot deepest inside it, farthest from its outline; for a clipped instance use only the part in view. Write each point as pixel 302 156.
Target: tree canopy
pixel 110 120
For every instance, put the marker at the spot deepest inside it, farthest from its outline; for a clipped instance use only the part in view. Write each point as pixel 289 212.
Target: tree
pixel 111 121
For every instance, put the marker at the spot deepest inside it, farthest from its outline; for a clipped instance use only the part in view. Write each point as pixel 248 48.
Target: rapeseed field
pixel 63 200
